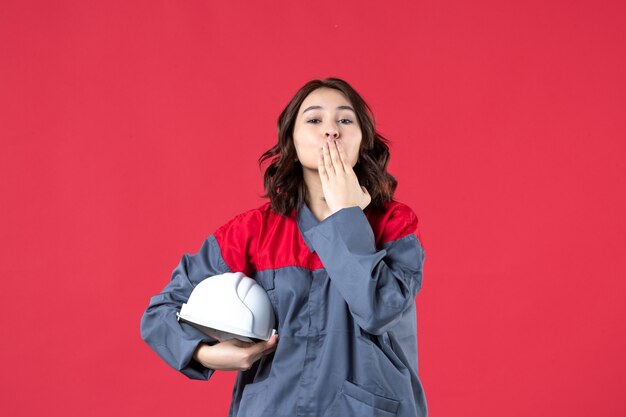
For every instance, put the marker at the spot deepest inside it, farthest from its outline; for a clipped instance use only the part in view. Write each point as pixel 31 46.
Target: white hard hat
pixel 230 305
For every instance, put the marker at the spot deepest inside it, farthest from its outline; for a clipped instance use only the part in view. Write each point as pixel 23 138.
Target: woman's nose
pixel 332 131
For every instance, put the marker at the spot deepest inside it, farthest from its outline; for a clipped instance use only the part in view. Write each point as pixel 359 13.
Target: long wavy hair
pixel 283 178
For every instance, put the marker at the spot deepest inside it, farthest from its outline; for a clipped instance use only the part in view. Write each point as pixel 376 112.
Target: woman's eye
pixel 340 121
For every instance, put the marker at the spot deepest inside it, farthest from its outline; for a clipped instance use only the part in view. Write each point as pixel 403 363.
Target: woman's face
pixel 325 113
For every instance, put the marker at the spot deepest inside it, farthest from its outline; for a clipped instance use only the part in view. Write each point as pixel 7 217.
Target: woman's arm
pixel 181 345
pixel 378 285
pixel 175 342
pixel 233 354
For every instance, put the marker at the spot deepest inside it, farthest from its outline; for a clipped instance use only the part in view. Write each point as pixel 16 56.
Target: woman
pixel 340 262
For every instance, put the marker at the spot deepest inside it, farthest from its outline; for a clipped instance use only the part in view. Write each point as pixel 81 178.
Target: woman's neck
pixel 314 195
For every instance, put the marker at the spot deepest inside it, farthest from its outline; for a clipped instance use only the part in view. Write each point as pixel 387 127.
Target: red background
pixel 130 131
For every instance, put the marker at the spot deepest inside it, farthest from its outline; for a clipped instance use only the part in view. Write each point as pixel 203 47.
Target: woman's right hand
pixel 233 354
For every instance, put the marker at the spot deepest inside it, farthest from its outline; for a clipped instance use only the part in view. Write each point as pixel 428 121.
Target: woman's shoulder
pixel 247 220
pixel 394 221
pixel 238 238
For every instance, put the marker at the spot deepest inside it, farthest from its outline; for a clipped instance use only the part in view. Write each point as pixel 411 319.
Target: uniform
pixel 343 291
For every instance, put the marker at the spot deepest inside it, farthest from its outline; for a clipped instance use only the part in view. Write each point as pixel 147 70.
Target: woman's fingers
pixel 259 349
pixel 321 167
pixel 339 182
pixel 343 157
pixel 270 345
pixel 336 159
pixel 328 161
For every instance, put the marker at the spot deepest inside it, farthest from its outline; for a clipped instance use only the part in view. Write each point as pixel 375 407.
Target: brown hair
pixel 283 178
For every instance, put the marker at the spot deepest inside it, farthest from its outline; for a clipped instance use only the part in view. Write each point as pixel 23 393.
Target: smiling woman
pixel 340 261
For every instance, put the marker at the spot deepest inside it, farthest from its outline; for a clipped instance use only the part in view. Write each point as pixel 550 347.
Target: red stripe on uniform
pixel 261 239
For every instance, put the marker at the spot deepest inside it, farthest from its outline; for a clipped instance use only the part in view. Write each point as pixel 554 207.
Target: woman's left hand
pixel 339 182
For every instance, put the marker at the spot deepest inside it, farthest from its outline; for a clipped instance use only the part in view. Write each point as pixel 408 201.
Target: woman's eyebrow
pixel 320 107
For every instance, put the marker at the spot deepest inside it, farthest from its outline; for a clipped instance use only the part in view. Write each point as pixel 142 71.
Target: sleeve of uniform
pixel 377 284
pixel 173 341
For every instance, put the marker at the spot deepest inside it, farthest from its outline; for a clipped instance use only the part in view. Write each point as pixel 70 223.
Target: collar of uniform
pixel 306 220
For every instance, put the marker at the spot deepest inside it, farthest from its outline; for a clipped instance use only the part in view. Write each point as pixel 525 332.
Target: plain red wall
pixel 130 131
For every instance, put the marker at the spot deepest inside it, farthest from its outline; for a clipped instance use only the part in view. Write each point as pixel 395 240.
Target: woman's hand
pixel 339 182
pixel 233 354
